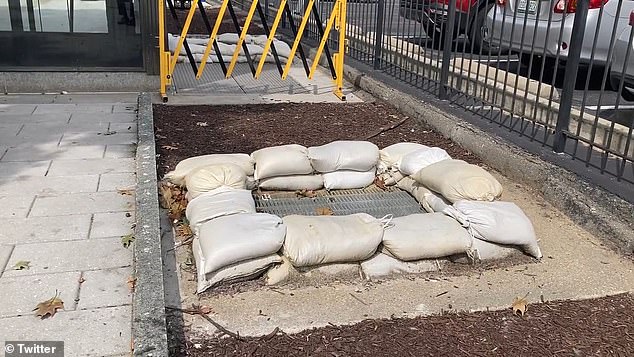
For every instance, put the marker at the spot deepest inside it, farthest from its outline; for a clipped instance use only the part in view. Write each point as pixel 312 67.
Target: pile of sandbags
pixel 285 167
pixel 345 164
pixel 183 168
pixel 227 45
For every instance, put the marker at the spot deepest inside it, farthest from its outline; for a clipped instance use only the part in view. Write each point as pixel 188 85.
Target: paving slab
pixel 98 332
pixel 103 117
pixel 63 127
pixel 5 254
pixel 112 224
pixel 90 166
pixel 17 108
pixel 120 151
pixel 124 108
pixel 49 185
pixel 98 138
pixel 117 181
pixel 105 288
pixel 73 108
pixel 81 203
pixel 44 229
pixel 21 141
pixel 25 292
pixel 24 169
pixel 15 206
pixel 30 152
pixel 123 127
pixel 8 129
pixel 61 118
pixel 55 257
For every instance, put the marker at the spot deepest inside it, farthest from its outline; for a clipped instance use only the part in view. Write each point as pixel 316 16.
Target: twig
pixel 196 311
pixel 270 335
pixel 441 294
pixel 358 299
pixel 393 126
pixel 185 242
pixel 185 311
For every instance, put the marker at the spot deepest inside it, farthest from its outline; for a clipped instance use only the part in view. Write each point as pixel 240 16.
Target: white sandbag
pixel 425 236
pixel 281 160
pixel 314 240
pixel 211 177
pixel 230 239
pixel 292 183
pixel 177 176
pixel 251 183
pixel 391 178
pixel 414 161
pixel 482 250
pixel 231 38
pixel 282 48
pixel 240 271
pixel 497 222
pixel 346 179
pixel 344 155
pixel 457 180
pixel 430 201
pixel 391 155
pixel 219 202
pixel 382 265
pixel 280 273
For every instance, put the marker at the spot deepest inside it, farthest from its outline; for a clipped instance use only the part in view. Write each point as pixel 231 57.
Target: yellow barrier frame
pixel 337 18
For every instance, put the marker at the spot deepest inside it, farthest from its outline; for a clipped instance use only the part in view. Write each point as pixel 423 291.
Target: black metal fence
pixel 556 72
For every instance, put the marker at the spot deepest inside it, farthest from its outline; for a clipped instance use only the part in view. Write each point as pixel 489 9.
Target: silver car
pixel 544 27
pixel 622 66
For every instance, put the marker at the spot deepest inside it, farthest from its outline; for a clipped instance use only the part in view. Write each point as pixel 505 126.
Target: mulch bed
pixel 186 131
pixel 197 25
pixel 602 327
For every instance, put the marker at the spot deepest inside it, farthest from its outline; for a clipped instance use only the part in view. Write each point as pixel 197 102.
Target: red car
pixel 433 14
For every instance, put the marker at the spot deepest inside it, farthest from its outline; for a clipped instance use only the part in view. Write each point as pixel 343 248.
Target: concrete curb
pixel 600 212
pixel 149 327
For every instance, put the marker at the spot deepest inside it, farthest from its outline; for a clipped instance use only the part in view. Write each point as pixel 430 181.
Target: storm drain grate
pixel 371 200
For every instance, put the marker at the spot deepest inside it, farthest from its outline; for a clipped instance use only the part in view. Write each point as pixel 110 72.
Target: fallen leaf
pixel 81 280
pixel 49 307
pixel 519 304
pixel 202 123
pixel 131 283
pixel 184 231
pixel 127 240
pixel 173 198
pixel 324 211
pixel 125 191
pixel 22 264
pixel 169 147
pixel 378 182
pixel 306 193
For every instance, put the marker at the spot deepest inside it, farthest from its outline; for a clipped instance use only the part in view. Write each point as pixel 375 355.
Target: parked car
pixel 619 67
pixel 433 15
pixel 535 26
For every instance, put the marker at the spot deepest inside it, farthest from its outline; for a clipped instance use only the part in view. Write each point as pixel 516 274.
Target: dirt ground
pixel 598 327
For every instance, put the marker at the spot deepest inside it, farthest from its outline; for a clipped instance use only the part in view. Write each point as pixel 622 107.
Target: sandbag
pixel 240 271
pixel 482 250
pixel 391 178
pixel 314 240
pixel 425 236
pixel 292 183
pixel 415 161
pixel 382 265
pixel 344 155
pixel 497 222
pixel 219 202
pixel 317 274
pixel 346 179
pixel 430 201
pixel 457 180
pixel 231 239
pixel 281 160
pixel 177 176
pixel 391 155
pixel 211 177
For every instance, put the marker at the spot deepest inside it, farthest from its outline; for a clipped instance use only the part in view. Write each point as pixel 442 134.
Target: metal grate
pixel 370 200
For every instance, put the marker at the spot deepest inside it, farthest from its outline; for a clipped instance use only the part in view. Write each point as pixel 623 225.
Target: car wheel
pixel 628 94
pixel 435 33
pixel 479 32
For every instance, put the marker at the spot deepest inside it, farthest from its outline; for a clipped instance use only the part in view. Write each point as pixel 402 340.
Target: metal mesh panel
pixel 370 200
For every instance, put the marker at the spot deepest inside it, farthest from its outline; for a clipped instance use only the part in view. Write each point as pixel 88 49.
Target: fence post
pixel 570 76
pixel 443 92
pixel 378 34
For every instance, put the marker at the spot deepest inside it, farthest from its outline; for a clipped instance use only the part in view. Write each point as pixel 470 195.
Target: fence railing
pixel 556 72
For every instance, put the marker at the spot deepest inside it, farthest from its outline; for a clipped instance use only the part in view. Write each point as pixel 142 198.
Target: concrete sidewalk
pixel 67 180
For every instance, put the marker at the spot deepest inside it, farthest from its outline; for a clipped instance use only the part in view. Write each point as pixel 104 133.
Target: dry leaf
pixel 306 193
pixel 81 280
pixel 22 264
pixel 173 198
pixel 127 240
pixel 131 283
pixel 169 147
pixel 324 211
pixel 49 307
pixel 202 123
pixel 378 182
pixel 184 230
pixel 519 304
pixel 125 191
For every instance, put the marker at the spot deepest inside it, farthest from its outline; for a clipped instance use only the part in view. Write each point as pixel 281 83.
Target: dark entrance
pixel 70 35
